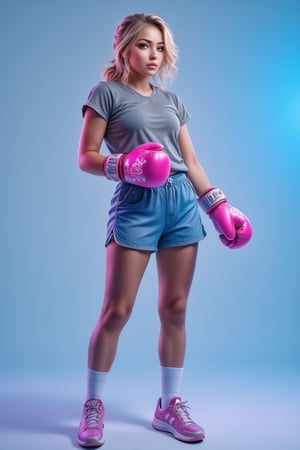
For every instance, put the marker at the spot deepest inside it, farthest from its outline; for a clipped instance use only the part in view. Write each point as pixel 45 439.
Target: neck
pixel 142 86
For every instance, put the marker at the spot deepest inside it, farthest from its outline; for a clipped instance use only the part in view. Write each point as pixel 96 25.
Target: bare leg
pixel 124 270
pixel 175 272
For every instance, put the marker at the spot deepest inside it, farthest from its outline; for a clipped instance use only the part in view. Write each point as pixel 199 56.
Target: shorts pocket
pixel 190 184
pixel 130 194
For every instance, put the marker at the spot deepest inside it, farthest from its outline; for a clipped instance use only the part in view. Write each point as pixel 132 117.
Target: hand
pixel 147 165
pixel 234 227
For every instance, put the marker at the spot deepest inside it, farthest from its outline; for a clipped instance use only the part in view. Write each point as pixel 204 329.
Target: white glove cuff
pixel 111 164
pixel 211 199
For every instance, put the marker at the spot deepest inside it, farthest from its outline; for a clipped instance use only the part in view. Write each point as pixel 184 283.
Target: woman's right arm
pixel 91 137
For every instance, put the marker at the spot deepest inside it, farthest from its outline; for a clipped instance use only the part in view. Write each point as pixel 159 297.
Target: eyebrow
pixel 149 41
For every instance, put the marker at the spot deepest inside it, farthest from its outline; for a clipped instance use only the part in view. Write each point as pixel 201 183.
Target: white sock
pixel 95 383
pixel 171 378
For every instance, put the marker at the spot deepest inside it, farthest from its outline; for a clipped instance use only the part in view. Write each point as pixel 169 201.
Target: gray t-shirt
pixel 133 119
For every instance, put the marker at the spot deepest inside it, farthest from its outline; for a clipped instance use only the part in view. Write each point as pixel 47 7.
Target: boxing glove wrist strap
pixel 211 199
pixel 112 167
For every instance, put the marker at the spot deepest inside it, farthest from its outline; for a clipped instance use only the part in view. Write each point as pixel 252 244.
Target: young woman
pixel 155 208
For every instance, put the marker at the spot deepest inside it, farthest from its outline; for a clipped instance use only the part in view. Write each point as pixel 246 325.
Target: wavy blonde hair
pixel 124 39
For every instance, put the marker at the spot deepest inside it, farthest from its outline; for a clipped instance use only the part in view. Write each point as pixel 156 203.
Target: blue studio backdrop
pixel 239 76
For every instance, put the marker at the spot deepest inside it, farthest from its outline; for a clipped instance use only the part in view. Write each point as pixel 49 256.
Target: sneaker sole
pixel 162 426
pixel 93 442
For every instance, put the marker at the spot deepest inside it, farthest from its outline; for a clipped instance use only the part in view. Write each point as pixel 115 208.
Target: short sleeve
pixel 100 99
pixel 183 114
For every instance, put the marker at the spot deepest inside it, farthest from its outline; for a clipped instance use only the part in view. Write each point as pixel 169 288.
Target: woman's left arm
pixel 196 172
pixel 234 227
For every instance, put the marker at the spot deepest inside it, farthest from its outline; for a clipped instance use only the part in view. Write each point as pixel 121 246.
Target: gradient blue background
pixel 239 76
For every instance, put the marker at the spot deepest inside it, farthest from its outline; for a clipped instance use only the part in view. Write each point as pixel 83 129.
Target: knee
pixel 173 312
pixel 115 317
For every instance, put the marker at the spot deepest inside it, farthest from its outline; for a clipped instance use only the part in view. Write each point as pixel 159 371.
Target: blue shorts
pixel 155 218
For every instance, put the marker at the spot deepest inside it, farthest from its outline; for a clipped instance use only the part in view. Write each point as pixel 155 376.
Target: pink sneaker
pixel 176 419
pixel 90 432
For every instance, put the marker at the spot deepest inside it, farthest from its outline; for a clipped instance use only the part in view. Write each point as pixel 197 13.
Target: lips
pixel 152 66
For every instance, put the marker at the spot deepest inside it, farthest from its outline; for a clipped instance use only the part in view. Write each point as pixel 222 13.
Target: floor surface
pixel 238 413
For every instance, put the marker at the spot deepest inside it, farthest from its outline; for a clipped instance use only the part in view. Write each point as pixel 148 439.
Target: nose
pixel 153 54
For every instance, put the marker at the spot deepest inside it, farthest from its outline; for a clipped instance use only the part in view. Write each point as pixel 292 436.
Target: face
pixel 147 53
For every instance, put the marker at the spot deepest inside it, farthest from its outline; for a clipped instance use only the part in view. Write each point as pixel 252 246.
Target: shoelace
pixel 92 415
pixel 181 409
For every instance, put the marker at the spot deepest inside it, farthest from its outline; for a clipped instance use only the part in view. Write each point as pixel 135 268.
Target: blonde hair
pixel 124 39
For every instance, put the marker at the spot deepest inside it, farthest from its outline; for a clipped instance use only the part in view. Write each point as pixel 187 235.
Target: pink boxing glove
pixel 234 227
pixel 147 166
